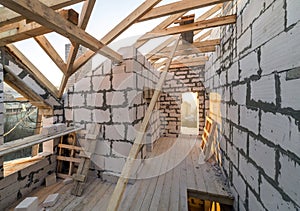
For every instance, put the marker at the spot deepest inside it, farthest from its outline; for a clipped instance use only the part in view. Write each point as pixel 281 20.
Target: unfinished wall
pixel 112 96
pixel 179 81
pixel 1 117
pixel 22 182
pixel 254 79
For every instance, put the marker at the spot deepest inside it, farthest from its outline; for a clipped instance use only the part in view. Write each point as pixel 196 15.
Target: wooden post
pixel 123 180
pixel 35 148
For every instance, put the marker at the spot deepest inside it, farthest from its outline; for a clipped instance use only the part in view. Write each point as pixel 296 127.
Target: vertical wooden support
pixel 35 148
pixel 126 172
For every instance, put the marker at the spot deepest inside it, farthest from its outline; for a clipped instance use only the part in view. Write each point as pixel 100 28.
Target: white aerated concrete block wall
pixel 258 72
pixel 112 96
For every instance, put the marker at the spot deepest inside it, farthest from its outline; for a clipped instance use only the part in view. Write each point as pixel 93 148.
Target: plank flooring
pixel 162 181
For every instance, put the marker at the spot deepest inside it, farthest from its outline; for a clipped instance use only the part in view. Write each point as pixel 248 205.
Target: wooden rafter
pixel 16 83
pixel 34 10
pixel 168 41
pixel 33 70
pixel 51 52
pixel 8 16
pixel 214 22
pixel 22 30
pixel 177 7
pixel 84 19
pixel 162 25
pixel 121 27
pixel 196 61
pixel 126 172
pixel 189 51
pixel 186 46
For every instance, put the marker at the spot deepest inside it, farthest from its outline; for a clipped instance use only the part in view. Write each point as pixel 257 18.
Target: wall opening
pixel 190 113
pixel 203 201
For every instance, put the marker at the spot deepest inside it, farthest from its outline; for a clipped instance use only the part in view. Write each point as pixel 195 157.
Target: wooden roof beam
pixel 8 16
pixel 187 46
pixel 51 52
pixel 120 28
pixel 23 30
pixel 84 19
pixel 214 22
pixel 190 51
pixel 168 41
pixel 34 10
pixel 33 70
pixel 16 83
pixel 162 25
pixel 177 7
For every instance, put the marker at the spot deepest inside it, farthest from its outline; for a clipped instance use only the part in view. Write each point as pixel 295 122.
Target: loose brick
pixel 263 156
pixel 28 204
pixel 289 177
pixel 269 24
pixel 50 180
pixel 264 90
pixel 51 200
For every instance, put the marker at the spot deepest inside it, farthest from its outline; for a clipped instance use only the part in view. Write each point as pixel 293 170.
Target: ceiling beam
pixel 8 16
pixel 51 52
pixel 85 15
pixel 177 7
pixel 34 10
pixel 33 70
pixel 214 22
pixel 120 28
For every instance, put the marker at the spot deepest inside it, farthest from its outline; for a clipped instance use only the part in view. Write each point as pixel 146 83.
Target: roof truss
pixel 22 19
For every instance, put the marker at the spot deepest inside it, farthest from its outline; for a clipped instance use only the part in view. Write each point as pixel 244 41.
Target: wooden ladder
pixel 85 160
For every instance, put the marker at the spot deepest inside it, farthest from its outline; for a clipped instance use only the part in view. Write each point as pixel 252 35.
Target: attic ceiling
pixel 24 19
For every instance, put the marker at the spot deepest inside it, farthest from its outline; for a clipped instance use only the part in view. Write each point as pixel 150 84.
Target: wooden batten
pixel 8 16
pixel 214 22
pixel 177 7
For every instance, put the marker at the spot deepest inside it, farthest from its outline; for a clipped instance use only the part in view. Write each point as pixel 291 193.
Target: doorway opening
pixel 190 113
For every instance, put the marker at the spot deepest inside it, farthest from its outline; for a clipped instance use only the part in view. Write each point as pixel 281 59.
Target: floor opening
pixel 200 201
pixel 189 113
